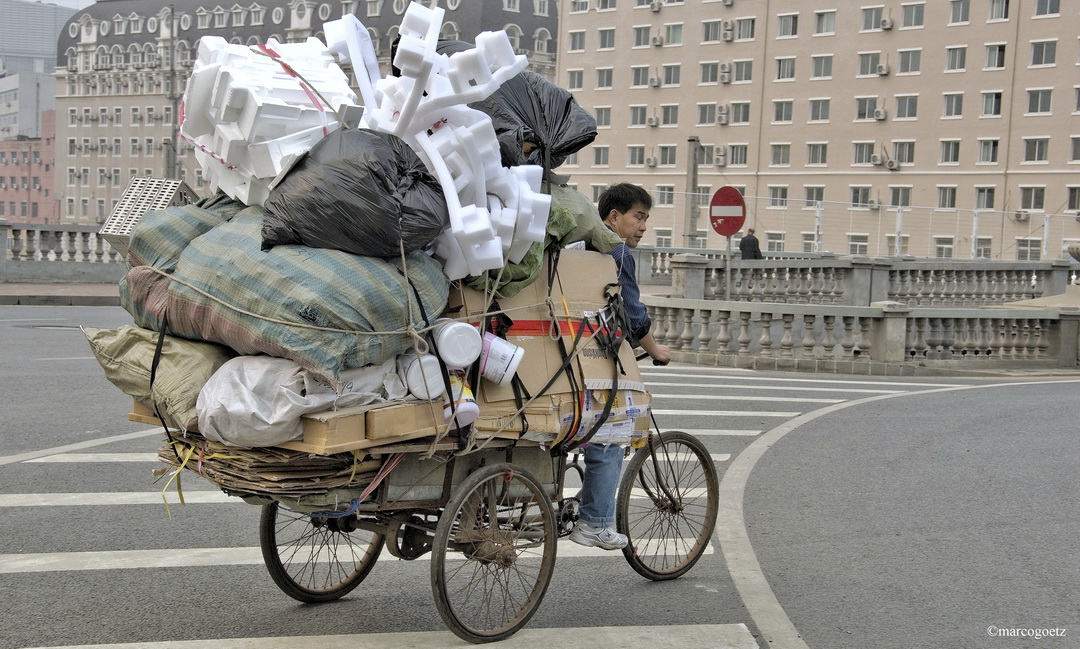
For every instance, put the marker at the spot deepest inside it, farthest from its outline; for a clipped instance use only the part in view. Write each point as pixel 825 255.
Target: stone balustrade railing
pixel 57 253
pixel 883 338
pixel 861 281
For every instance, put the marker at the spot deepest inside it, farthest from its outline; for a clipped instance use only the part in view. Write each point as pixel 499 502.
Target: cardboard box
pixel 404 420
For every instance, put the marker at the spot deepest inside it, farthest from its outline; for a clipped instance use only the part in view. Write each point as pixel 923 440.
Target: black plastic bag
pixel 360 192
pixel 530 109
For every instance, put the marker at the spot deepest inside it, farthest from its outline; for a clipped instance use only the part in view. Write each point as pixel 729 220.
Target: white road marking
pixel 721 432
pixel 720 457
pixel 762 388
pixel 78 446
pixel 736 397
pixel 726 413
pixel 661 373
pixel 76 458
pixel 697 636
pixel 69 358
pixel 198 497
pixel 197 557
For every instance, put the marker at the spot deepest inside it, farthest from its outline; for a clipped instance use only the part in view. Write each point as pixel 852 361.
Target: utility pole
pixel 172 157
pixel 690 222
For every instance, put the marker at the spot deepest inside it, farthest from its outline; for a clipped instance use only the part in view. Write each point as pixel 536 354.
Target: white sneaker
pixel 605 538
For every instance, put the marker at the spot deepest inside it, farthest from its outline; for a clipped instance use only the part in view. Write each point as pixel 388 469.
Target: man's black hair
pixel 622 198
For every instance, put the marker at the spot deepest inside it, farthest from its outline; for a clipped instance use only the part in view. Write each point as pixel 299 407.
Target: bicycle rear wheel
pixel 667 504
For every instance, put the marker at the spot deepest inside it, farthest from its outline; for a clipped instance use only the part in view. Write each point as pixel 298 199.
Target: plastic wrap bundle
pixel 358 191
pixel 320 308
pixel 529 108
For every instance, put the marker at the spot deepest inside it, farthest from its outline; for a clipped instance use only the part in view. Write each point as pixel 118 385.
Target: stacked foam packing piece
pixel 249 116
pixel 496 213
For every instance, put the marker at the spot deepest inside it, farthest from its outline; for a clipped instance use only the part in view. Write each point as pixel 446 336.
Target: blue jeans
pixel 603 465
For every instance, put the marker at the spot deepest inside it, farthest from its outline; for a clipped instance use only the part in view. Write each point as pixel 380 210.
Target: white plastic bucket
pixel 499 359
pixel 463 410
pixel 457 343
pixel 422 374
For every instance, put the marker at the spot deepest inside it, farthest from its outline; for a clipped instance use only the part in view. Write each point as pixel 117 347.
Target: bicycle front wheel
pixel 667 504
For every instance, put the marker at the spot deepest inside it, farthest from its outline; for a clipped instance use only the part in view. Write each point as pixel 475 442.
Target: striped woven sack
pixel 326 310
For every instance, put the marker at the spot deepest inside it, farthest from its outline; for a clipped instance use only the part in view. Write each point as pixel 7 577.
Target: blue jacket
pixel 640 324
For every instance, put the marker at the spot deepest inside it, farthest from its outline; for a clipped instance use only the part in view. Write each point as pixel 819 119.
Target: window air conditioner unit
pixel 722 109
pixel 886 23
pixel 656 7
pixel 722 119
pixel 719 151
pixel 1021 216
pixel 651 121
pixel 654 81
pixel 727 35
pixel 650 161
pixel 725 67
pixel 728 3
pixel 883 69
pixel 873 204
pixel 877 159
pixel 657 40
pixel 725 77
pixel 892 165
pixel 720 162
pixel 728 25
pixel 880 114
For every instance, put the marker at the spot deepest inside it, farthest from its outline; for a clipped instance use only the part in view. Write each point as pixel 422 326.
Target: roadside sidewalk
pixel 12 293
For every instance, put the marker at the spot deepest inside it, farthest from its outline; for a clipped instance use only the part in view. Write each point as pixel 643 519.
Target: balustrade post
pixel 890 336
pixel 5 230
pixel 744 333
pixel 688 276
pixel 866 282
pixel 1069 337
pixel 1057 279
pixel 766 340
pixel 787 342
pixel 723 333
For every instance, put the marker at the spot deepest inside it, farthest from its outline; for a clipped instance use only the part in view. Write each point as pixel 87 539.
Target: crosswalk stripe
pixel 763 388
pixel 736 397
pixel 721 432
pixel 77 458
pixel 662 373
pixel 696 636
pixel 199 497
pixel 726 413
pixel 195 557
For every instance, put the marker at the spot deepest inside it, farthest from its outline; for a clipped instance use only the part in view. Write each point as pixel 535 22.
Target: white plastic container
pixel 457 343
pixel 464 405
pixel 499 359
pixel 422 374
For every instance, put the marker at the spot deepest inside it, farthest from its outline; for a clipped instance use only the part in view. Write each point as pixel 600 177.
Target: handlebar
pixel 644 355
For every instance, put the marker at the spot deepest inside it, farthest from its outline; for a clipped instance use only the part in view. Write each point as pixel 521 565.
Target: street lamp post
pixel 690 222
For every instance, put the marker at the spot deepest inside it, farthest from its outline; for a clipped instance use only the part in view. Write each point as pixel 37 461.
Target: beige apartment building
pixel 943 128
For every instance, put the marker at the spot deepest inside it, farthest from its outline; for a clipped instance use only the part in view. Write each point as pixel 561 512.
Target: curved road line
pixel 771 619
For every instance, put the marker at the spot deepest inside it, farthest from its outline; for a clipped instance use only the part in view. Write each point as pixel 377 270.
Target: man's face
pixel 630 225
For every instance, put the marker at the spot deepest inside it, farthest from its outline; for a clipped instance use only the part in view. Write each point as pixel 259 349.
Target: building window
pixel 574 79
pixel 639 76
pixel 778 196
pixel 606 39
pixel 638 115
pixel 907 107
pixel 988 151
pixel 959 11
pixel 946 197
pixel 950 151
pixel 862 152
pixel 1074 154
pixel 954 105
pixel 668 154
pixel 669 115
pixel 744 71
pixel 605 4
pixel 904 152
pixel 603 115
pixel 600 156
pixel 671 74
pixel 910 61
pixel 663 237
pixel 665 195
pixel 710 31
pixel 995 56
pixel 710 72
pixel 868 63
pixel 858 244
pixel 865 107
pixel 781 155
pixel 1047 7
pixel 1039 101
pixel 706 114
pixel 1032 198
pixel 825 22
pixel 817 153
pixel 737 154
pixel 955 58
pixel 812 196
pixel 635 155
pixel 782 109
pixel 991 104
pixel 642 36
pixel 673 34
pixel 1043 53
pixel 821 66
pixel 1035 149
pixel 912 15
pixel 785 69
pixel 1074 199
pixel 984 198
pixel 704 157
pixel 744 29
pixel 577 41
pixel 789 26
pixel 819 110
pixel 900 196
pixel 871 18
pixel 740 112
pixel 579 5
pixel 999 10
pixel 774 241
pixel 1028 249
pixel 604 78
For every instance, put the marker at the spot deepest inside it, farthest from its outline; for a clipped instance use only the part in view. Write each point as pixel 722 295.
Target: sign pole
pixel 727 214
pixel 727 271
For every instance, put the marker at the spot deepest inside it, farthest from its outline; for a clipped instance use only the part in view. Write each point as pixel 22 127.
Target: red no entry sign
pixel 727 211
